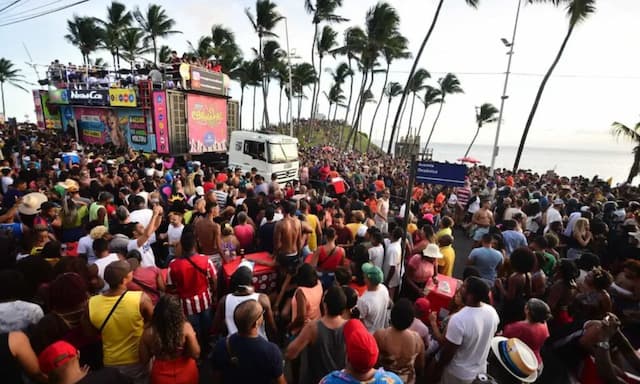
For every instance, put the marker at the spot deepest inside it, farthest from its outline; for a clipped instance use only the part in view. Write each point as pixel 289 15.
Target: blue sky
pixel 596 83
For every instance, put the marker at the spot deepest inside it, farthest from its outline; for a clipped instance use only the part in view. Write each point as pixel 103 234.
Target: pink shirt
pixel 534 335
pixel 148 277
pixel 245 234
pixel 423 269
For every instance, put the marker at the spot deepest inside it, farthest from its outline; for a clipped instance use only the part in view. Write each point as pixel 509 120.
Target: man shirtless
pixel 287 243
pixel 482 220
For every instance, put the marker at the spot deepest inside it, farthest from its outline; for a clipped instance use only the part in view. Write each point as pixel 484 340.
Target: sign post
pixel 431 172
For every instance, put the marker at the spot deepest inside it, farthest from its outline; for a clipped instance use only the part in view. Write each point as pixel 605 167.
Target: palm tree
pixel 354 39
pixel 156 24
pixel 303 75
pixel 118 19
pixel 322 11
pixel 281 73
pixel 449 85
pixel 631 134
pixel 164 54
pixel 254 79
pixel 202 49
pixel 10 75
pixel 368 98
pixel 416 60
pixel 98 62
pixel 395 48
pixel 132 44
pixel 416 85
pixel 486 114
pixel 334 97
pixel 578 11
pixel 326 44
pixel 243 74
pixel 84 33
pixel 264 21
pixel 391 91
pixel 432 96
pixel 224 48
pixel 271 56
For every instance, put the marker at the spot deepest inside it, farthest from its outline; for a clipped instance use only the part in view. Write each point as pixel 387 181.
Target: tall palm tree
pixel 254 79
pixel 432 96
pixel 354 39
pixel 203 48
pixel 416 85
pixel 84 33
pixel 578 11
pixel 118 19
pixel 486 114
pixel 263 22
pixel 322 11
pixel 303 75
pixel 132 44
pixel 391 91
pixel 326 43
pixel 395 48
pixel 243 74
pixel 335 97
pixel 416 60
pixel 224 48
pixel 271 56
pixel 449 85
pixel 281 73
pixel 156 24
pixel 631 134
pixel 12 76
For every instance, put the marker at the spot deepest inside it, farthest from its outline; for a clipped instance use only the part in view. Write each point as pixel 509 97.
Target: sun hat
pixel 433 251
pixel 31 203
pixel 56 355
pixel 373 273
pixel 516 357
pixel 362 350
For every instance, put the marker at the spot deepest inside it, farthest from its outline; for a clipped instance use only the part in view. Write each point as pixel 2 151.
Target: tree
pixel 243 73
pixel 391 91
pixel 281 73
pixel 432 96
pixel 131 41
pixel 225 49
pixel 449 85
pixel 271 56
pixel 334 97
pixel 84 33
pixel 486 114
pixel 254 79
pixel 578 11
pixel 416 60
pixel 263 23
pixel 322 11
pixel 354 39
pixel 339 76
pixel 12 76
pixel 303 75
pixel 117 21
pixel 202 49
pixel 416 85
pixel 326 44
pixel 631 134
pixel 156 24
pixel 164 54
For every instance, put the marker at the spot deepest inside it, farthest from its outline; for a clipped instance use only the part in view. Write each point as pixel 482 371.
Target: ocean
pixel 565 162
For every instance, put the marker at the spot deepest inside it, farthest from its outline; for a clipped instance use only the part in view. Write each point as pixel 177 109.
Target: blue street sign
pixel 430 172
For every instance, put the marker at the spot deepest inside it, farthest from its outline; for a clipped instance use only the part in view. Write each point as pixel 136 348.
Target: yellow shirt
pixel 353 227
pixel 121 334
pixel 444 231
pixel 448 260
pixel 314 223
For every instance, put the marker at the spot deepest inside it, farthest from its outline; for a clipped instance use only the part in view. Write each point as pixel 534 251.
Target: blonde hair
pixel 581 225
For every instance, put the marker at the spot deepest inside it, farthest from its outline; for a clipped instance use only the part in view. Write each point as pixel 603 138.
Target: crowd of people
pixel 128 267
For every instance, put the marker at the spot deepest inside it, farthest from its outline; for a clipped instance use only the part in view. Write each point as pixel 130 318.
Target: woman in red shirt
pixel 245 233
pixel 328 258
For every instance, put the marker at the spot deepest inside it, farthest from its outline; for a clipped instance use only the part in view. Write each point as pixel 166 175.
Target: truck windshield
pixel 282 153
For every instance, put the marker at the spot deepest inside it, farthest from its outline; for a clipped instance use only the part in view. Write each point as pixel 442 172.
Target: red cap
pixel 56 355
pixel 423 305
pixel 362 350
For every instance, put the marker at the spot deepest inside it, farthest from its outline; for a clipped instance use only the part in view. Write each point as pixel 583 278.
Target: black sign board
pixel 207 81
pixel 431 172
pixel 98 97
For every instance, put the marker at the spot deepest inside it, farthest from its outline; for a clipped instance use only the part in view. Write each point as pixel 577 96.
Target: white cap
pixel 199 191
pixel 196 163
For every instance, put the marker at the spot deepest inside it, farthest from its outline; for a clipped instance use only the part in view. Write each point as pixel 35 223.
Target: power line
pixel 22 13
pixel 529 74
pixel 9 6
pixel 44 13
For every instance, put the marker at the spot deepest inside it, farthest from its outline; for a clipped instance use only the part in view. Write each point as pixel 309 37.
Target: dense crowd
pixel 126 267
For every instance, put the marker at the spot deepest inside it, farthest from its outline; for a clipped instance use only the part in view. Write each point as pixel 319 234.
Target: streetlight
pixel 510 45
pixel 286 28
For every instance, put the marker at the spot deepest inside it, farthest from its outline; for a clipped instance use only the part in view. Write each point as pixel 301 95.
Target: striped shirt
pixel 191 283
pixel 221 198
pixel 463 194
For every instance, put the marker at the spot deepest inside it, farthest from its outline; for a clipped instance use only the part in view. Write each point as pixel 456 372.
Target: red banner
pixel 207 123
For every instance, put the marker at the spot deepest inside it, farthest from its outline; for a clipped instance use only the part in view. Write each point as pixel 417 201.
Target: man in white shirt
pixel 376 252
pixel 6 179
pixel 468 338
pixel 553 214
pixel 142 241
pixel 392 262
pixel 104 258
pixel 374 304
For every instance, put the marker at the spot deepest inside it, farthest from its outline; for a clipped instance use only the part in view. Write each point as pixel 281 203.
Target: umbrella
pixel 469 159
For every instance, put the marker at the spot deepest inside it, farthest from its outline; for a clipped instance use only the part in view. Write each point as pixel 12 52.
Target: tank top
pixel 121 334
pixel 93 213
pixel 230 304
pixel 10 371
pixel 324 356
pixel 328 261
pixel 313 297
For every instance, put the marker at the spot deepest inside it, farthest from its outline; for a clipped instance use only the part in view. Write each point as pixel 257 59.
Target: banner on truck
pixel 98 97
pixel 207 81
pixel 122 97
pixel 135 124
pixel 160 121
pixel 51 115
pixel 207 123
pixel 59 96
pixel 100 126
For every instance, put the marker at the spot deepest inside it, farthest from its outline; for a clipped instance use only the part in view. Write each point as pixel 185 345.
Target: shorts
pixel 479 232
pixel 290 262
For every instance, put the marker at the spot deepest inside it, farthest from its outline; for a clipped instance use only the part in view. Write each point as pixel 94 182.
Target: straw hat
pixel 31 203
pixel 70 185
pixel 516 357
pixel 432 251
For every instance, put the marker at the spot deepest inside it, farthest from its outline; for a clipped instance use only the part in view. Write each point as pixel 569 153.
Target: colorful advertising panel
pixel 68 119
pixel 37 102
pixel 135 124
pixel 122 97
pixel 98 97
pixel 207 81
pixel 51 115
pixel 207 123
pixel 160 121
pixel 100 126
pixel 59 96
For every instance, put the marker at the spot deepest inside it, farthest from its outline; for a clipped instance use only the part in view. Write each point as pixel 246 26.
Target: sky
pixel 596 83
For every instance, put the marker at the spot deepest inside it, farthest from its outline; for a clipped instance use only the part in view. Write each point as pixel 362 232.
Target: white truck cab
pixel 268 152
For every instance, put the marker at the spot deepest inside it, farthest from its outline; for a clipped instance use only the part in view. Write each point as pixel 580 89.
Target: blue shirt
pixel 513 240
pixel 486 260
pixel 381 377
